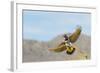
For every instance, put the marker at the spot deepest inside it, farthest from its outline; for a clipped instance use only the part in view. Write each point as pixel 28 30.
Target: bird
pixel 68 44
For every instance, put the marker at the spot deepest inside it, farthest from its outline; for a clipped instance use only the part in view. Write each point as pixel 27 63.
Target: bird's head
pixel 65 37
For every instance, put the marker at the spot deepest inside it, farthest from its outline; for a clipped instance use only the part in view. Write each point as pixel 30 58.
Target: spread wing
pixel 74 36
pixel 60 48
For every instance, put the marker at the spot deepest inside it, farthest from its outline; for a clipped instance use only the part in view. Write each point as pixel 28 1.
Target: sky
pixel 45 25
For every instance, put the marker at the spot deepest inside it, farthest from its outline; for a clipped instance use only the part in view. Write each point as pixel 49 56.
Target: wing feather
pixel 60 48
pixel 74 36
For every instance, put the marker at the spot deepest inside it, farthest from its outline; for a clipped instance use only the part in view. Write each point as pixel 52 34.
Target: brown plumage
pixel 72 38
pixel 60 48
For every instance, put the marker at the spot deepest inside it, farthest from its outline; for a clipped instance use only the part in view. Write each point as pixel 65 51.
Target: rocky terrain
pixel 37 51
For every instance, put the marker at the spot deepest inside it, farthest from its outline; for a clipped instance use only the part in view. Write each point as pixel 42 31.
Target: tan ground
pixel 37 51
